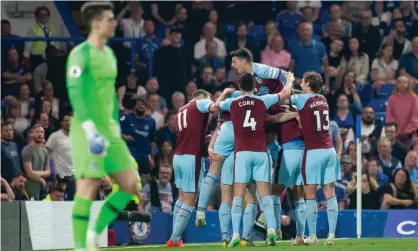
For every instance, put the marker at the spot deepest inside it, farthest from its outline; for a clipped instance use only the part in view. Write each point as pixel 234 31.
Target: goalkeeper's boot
pixel 299 241
pixel 330 240
pixel 271 238
pixel 247 243
pixel 312 240
pixel 235 241
pixel 92 240
pixel 172 244
pixel 200 219
pixel 180 241
pixel 224 243
pixel 279 234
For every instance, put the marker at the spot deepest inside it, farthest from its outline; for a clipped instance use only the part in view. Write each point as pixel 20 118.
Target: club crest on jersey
pixel 75 71
pixel 258 80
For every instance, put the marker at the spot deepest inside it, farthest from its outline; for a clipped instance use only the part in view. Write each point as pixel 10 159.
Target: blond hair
pixel 404 78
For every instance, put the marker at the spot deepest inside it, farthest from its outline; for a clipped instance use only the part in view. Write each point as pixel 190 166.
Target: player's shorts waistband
pixel 295 144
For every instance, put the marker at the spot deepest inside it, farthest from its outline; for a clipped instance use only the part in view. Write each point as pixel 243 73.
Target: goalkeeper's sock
pixel 300 217
pixel 114 204
pixel 248 220
pixel 206 189
pixel 225 219
pixel 236 212
pixel 277 210
pixel 332 212
pixel 268 210
pixel 181 222
pixel 311 216
pixel 177 207
pixel 80 218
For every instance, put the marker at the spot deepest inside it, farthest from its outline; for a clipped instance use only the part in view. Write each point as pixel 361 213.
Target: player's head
pixel 240 59
pixel 99 18
pixel 201 94
pixel 246 82
pixel 311 82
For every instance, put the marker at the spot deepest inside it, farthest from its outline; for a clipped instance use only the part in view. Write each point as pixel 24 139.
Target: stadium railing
pixel 77 40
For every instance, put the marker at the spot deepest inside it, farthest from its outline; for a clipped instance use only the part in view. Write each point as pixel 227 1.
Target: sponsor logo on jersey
pixel 258 79
pixel 75 71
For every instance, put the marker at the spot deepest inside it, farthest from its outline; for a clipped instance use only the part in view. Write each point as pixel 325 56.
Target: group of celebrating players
pixel 244 151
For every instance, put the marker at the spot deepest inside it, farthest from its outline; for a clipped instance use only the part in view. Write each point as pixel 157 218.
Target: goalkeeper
pixel 96 145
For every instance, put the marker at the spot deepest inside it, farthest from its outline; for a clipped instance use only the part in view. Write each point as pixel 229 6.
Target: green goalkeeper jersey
pixel 91 75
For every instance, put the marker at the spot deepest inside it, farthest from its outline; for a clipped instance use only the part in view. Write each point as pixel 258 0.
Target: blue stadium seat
pixel 230 28
pixel 381 116
pixel 378 104
pixel 258 31
pixel 386 89
pixel 365 92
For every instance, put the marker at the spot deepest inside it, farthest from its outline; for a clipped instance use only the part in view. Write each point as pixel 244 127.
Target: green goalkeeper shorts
pixel 118 157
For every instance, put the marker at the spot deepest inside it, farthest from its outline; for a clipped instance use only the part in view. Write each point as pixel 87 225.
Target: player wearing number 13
pixel 248 115
pixel 320 164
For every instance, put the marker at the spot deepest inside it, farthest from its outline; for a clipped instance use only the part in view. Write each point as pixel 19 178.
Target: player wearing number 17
pixel 252 162
pixel 320 164
pixel 188 161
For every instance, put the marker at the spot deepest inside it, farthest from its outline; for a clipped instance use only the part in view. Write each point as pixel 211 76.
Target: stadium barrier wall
pixel 40 225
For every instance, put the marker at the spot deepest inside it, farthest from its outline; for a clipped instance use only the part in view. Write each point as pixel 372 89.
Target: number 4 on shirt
pixel 248 121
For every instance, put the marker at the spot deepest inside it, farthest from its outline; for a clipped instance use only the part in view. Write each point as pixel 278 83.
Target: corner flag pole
pixel 359 167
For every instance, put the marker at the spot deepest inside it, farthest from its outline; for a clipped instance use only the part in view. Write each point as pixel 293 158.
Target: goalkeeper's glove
pixel 96 142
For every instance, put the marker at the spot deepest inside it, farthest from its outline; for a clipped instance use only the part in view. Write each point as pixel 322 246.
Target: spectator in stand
pixel 152 87
pixel 308 16
pixel 415 145
pixel 45 107
pixel 154 103
pixel 36 163
pixel 243 40
pixel 384 67
pixel 414 29
pixel 132 27
pixel 181 20
pixel 159 192
pixel 401 45
pixel 220 31
pixel 387 162
pixel 57 193
pixel 334 57
pixel 8 195
pixel 271 31
pixel 210 58
pixel 314 5
pixel 220 78
pixel 356 62
pixel 130 92
pixel 10 154
pixel 166 14
pixel 402 108
pixel 164 158
pixel 288 20
pixel 209 35
pixel 191 87
pixel 21 123
pixel 6 45
pixel 43 120
pixel 400 193
pixel 275 55
pixel 352 10
pixel 337 142
pixel 172 66
pixel 343 116
pixel 168 132
pixel 138 130
pixel 48 95
pixel 336 33
pixel 380 17
pixel 411 166
pixel 391 131
pixel 370 198
pixel 18 185
pixel 309 55
pixel 336 15
pixel 196 19
pixel 26 102
pixel 206 81
pixel 13 74
pixel 178 100
pixel 58 146
pixel 374 173
pixel 368 35
pixel 408 65
pixel 347 168
pixel 408 12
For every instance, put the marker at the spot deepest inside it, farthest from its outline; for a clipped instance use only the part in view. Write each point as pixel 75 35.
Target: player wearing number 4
pixel 190 130
pixel 320 164
pixel 252 162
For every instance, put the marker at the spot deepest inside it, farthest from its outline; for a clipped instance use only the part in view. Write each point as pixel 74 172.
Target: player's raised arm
pixel 269 72
pixel 287 90
pixel 223 96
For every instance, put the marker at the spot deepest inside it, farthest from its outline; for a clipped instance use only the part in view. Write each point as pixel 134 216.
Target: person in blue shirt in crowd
pixel 13 74
pixel 6 45
pixel 138 130
pixel 168 132
pixel 288 19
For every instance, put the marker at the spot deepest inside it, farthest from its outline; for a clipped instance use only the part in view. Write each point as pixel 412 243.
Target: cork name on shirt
pixel 318 103
pixel 246 103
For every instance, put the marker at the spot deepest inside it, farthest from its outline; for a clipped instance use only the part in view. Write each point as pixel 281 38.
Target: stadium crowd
pixel 367 53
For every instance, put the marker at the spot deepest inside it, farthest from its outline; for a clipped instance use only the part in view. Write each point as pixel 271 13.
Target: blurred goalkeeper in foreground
pixel 97 147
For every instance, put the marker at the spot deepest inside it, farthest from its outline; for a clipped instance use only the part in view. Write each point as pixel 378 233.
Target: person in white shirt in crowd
pixel 208 35
pixel 58 146
pixel 152 87
pixel 154 102
pixel 315 5
pixel 384 67
pixel 128 94
pixel 132 27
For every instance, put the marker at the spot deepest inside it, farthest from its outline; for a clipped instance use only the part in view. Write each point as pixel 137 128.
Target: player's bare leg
pixel 266 204
pixel 115 203
pixel 86 191
pixel 249 216
pixel 207 188
pixel 312 213
pixel 237 211
pixel 225 213
pixel 332 212
pixel 276 192
pixel 299 199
